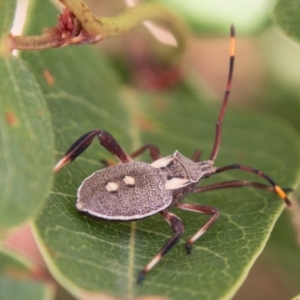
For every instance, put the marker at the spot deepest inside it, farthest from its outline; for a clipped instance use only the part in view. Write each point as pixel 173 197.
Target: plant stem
pixel 78 25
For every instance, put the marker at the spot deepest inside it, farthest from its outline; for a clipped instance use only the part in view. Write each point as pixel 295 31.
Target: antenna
pixel 218 134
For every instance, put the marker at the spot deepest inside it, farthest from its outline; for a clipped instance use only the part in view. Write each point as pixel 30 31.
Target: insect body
pixel 135 190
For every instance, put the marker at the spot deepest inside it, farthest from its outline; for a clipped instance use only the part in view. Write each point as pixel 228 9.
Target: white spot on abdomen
pixel 129 180
pixel 112 186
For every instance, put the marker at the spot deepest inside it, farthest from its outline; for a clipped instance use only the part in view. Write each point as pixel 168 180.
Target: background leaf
pixel 15 282
pixel 286 15
pixel 105 257
pixel 26 144
pixel 27 290
pixel 7 10
pixel 215 15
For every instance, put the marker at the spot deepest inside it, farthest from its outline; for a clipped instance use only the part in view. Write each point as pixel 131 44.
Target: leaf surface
pixel 7 14
pixel 105 257
pixel 26 143
pixel 286 15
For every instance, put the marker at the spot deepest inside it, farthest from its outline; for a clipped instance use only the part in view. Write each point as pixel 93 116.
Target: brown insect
pixel 136 190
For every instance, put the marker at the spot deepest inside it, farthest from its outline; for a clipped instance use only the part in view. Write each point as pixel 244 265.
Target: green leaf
pixel 11 263
pixel 26 144
pixel 23 289
pixel 105 257
pixel 15 282
pixel 7 10
pixel 286 15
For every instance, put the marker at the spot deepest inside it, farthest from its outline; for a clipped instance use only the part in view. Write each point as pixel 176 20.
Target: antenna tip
pixel 283 195
pixel 232 43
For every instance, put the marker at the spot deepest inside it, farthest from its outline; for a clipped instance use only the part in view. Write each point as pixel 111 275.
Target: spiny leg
pixel 237 184
pixel 178 228
pixel 106 140
pixel 208 210
pixel 277 189
pixel 218 134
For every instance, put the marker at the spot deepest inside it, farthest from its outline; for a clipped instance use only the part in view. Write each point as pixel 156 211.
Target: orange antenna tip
pixel 282 195
pixel 232 40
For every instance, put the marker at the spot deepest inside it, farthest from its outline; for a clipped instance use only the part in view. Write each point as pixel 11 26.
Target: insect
pixel 136 190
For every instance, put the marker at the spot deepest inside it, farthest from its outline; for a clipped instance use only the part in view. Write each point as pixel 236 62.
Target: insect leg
pixel 197 155
pixel 178 228
pixel 154 151
pixel 208 210
pixel 276 188
pixel 237 184
pixel 106 140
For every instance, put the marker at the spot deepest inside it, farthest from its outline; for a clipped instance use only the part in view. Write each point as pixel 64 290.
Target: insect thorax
pixel 181 171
